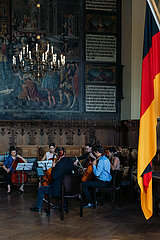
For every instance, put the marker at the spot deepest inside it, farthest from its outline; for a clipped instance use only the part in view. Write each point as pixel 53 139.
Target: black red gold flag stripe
pixel 150 108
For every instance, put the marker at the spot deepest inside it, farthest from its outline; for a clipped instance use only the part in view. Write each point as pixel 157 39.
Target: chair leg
pixel 66 204
pixel 120 198
pixel 81 206
pixel 62 208
pixel 94 198
pixel 113 200
pixel 49 207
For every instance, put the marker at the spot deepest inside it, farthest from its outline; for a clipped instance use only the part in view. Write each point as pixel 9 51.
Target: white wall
pixel 138 18
pixel 133 16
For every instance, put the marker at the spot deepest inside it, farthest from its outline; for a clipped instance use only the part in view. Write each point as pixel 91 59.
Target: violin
pixel 18 177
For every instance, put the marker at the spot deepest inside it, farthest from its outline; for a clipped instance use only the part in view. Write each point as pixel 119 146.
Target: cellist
pixel 87 163
pixel 8 167
pixel 88 156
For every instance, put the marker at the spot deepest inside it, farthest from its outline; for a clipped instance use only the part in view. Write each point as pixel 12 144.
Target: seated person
pixel 114 160
pixel 87 156
pixel 51 154
pixel 101 169
pixel 61 168
pixel 8 167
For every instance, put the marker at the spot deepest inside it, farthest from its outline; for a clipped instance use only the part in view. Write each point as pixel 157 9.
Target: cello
pixel 18 177
pixel 47 178
pixel 88 173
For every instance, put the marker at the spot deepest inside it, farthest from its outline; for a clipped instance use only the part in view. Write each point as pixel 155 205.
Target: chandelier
pixel 39 60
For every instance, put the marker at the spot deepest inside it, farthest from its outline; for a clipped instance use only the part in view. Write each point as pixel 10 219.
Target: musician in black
pixel 87 155
pixel 63 167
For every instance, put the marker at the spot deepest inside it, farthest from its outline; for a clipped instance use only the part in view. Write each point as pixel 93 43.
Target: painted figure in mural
pixel 75 85
pixel 29 89
pixel 50 85
pixel 69 86
pixel 65 87
pixel 4 65
pixel 102 76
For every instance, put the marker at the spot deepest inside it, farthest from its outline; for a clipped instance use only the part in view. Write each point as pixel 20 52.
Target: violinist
pixel 47 178
pixel 101 170
pixel 8 167
pixel 113 157
pixel 51 154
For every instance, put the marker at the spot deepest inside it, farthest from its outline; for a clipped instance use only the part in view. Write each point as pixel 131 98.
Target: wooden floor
pixel 125 223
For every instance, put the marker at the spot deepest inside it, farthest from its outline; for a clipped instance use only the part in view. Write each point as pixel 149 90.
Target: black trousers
pixel 89 185
pixel 7 177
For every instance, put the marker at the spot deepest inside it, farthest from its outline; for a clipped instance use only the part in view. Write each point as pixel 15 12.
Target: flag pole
pixel 156 9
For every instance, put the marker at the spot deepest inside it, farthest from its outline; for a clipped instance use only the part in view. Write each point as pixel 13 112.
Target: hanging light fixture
pixel 38 60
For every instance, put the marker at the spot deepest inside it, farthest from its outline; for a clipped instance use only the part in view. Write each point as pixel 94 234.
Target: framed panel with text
pixel 103 57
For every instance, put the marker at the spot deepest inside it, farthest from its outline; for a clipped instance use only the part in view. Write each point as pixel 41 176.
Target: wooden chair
pixel 112 189
pixel 71 188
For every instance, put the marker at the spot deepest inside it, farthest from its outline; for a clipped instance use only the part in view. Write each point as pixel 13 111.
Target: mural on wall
pixel 57 89
pixel 100 23
pixel 100 73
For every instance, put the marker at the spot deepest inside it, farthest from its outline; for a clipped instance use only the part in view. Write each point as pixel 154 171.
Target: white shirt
pixel 49 156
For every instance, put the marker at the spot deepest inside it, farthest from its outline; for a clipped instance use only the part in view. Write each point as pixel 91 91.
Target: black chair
pixel 71 188
pixel 112 188
pixel 128 183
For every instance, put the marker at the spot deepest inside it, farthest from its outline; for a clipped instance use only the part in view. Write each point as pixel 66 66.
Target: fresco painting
pixel 101 74
pixel 21 96
pixel 96 23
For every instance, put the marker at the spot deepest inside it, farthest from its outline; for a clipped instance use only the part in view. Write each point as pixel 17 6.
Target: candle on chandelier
pixel 48 47
pixel 63 60
pixel 20 56
pixel 52 49
pixel 42 57
pixel 27 48
pixel 14 60
pixel 54 59
pixel 23 50
pixel 30 55
pixel 45 55
pixel 36 47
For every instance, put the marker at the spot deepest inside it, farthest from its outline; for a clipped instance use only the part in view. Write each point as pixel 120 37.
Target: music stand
pixel 24 166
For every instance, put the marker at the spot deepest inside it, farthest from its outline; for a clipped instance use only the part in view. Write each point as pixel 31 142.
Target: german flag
pixel 150 107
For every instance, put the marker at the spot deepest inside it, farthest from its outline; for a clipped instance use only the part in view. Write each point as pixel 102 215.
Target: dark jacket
pixel 86 157
pixel 62 168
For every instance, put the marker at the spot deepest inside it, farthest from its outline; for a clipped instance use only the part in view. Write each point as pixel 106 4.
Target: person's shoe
pixel 20 191
pixel 88 205
pixel 35 209
pixel 8 192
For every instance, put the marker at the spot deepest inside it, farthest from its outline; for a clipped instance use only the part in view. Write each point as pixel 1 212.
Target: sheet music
pixel 24 166
pixel 45 164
